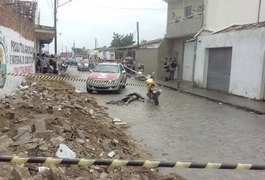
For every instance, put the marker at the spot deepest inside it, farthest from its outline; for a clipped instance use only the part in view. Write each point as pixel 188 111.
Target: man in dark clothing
pixel 166 69
pixel 129 98
pixel 38 61
pixel 53 64
pixel 173 66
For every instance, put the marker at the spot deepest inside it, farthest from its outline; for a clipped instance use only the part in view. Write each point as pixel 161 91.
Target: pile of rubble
pixel 52 119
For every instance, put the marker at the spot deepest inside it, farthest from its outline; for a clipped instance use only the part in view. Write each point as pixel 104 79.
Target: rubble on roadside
pixel 52 119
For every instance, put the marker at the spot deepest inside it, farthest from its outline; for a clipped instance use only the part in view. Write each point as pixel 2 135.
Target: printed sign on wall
pixel 16 54
pixel 21 54
pixel 2 60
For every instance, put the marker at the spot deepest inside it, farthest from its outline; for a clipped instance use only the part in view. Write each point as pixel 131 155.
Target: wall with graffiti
pixel 16 56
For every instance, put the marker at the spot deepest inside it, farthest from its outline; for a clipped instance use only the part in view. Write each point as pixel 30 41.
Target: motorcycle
pixel 140 75
pixel 63 67
pixel 154 91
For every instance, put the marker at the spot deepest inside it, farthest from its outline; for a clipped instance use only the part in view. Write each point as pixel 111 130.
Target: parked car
pixel 83 66
pixel 109 76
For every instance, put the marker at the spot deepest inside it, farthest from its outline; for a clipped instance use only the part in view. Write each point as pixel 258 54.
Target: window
pixel 187 11
pixel 106 69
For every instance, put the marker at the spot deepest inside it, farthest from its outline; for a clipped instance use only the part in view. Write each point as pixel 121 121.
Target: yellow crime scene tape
pixel 58 78
pixel 118 163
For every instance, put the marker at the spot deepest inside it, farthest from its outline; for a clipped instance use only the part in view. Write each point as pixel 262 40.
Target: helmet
pixel 149 82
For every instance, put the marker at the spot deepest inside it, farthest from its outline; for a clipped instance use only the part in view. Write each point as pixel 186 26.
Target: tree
pixel 122 40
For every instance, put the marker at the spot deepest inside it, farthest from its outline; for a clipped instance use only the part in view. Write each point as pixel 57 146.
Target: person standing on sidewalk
pixel 173 66
pixel 44 64
pixel 166 69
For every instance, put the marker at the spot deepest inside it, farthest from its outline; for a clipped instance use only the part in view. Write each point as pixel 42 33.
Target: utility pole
pixel 96 43
pixel 55 27
pixel 138 41
pixel 259 11
pixel 56 6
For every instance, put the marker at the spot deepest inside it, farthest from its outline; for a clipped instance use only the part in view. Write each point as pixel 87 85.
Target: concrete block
pixel 56 141
pixel 10 115
pixel 21 173
pixel 78 106
pixel 58 129
pixel 46 135
pixel 67 127
pixel 57 173
pixel 23 134
pixel 4 143
pixel 40 125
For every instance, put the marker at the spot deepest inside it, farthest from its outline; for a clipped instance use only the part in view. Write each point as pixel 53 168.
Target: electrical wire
pixel 48 4
pixel 124 8
pixel 52 4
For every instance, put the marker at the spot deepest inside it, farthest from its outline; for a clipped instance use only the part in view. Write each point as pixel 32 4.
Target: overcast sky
pixel 83 21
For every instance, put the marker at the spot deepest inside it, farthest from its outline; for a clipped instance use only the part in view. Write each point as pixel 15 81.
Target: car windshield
pixel 107 68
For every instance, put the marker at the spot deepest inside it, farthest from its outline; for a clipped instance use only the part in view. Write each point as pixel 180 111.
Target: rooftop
pixel 142 44
pixel 242 27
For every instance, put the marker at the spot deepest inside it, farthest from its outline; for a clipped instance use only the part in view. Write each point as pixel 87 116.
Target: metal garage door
pixel 219 69
pixel 188 61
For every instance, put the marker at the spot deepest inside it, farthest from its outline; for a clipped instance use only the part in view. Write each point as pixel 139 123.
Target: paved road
pixel 187 128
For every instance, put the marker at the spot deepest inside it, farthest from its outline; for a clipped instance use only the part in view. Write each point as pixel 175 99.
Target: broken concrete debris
pixel 65 152
pixel 111 154
pixel 51 119
pixel 116 120
pixel 4 143
pixel 91 111
pixel 56 141
pixel 21 173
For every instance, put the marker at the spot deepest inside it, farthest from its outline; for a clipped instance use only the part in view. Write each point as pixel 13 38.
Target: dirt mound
pixel 44 115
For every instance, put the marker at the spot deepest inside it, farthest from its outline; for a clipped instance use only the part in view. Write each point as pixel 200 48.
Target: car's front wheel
pixel 124 84
pixel 89 90
pixel 119 90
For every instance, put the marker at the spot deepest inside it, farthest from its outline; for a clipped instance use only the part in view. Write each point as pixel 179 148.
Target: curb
pixel 214 100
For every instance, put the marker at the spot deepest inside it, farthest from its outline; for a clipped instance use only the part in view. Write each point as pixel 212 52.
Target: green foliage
pixel 122 40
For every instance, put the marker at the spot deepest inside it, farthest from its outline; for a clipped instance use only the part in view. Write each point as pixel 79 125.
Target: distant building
pixel 80 52
pixel 106 53
pixel 129 51
pixel 66 54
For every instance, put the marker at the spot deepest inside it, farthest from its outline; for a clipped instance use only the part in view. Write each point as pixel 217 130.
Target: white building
pixel 106 53
pixel 231 60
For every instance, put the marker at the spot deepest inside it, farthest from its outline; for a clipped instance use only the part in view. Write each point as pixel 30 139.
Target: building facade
pixel 203 57
pixel 232 61
pixel 16 40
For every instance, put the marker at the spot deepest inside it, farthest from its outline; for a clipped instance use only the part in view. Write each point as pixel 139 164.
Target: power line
pixel 138 9
pixel 50 13
pixel 51 4
pixel 125 8
pixel 48 4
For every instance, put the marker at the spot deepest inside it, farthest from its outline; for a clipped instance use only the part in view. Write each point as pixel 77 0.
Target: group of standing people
pixel 170 66
pixel 46 64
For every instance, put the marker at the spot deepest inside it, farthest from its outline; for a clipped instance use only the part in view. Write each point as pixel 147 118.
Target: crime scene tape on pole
pixel 58 78
pixel 139 163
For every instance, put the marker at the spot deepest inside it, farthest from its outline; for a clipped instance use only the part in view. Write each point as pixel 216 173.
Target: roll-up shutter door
pixel 219 69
